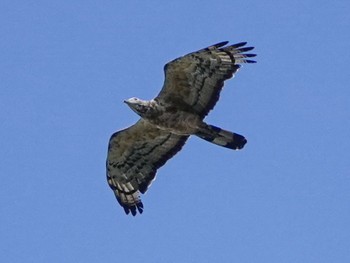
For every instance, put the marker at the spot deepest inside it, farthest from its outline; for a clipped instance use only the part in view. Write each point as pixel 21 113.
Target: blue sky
pixel 67 66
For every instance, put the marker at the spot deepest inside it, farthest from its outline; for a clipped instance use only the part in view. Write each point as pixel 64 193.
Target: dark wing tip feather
pixel 237 45
pixel 221 44
pixel 249 61
pixel 133 209
pixel 239 50
pixel 249 55
pixel 244 49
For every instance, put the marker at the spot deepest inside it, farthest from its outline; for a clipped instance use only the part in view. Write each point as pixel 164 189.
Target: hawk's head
pixel 141 107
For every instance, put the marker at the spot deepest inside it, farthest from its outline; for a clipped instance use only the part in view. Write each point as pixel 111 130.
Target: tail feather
pixel 222 137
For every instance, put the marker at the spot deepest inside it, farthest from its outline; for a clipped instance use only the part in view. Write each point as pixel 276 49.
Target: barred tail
pixel 222 137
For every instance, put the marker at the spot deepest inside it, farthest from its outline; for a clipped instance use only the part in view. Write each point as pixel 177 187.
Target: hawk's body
pixel 191 89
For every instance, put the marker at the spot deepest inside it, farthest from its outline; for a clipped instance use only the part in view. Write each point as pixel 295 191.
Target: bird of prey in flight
pixel 191 89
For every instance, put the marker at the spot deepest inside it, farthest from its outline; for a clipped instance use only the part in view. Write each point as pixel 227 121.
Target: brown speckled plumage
pixel 191 89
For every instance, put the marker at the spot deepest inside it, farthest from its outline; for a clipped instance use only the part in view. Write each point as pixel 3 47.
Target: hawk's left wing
pixel 134 155
pixel 193 82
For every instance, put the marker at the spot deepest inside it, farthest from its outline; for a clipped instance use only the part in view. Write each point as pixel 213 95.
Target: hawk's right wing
pixel 134 155
pixel 194 82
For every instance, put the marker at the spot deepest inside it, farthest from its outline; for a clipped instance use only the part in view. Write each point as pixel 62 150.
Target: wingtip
pixel 138 207
pixel 240 44
pixel 220 44
pixel 250 55
pixel 250 61
pixel 245 49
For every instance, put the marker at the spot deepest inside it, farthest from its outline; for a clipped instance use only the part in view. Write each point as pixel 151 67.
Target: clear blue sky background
pixel 66 67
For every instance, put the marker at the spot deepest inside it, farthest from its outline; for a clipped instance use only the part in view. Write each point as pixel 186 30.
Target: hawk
pixel 191 89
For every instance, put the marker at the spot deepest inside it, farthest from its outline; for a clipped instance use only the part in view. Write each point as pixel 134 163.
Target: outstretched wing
pixel 194 81
pixel 134 155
